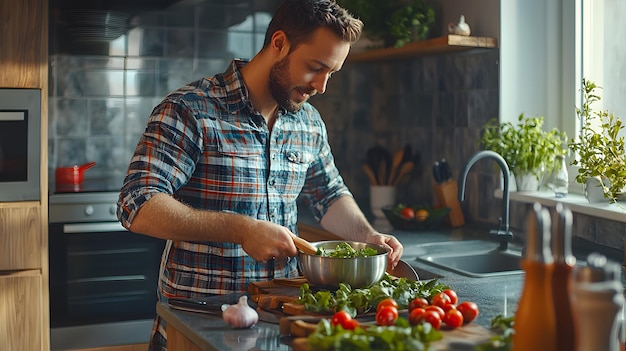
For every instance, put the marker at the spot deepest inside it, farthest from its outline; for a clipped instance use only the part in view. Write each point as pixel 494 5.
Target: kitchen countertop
pixel 493 295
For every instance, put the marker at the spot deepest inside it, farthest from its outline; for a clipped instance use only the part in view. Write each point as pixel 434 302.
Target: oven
pixel 103 278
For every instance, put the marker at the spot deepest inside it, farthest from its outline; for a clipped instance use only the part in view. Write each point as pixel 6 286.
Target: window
pixel 603 52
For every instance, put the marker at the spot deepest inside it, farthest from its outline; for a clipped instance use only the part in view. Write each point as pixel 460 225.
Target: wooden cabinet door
pixel 20 236
pixel 21 311
pixel 24 38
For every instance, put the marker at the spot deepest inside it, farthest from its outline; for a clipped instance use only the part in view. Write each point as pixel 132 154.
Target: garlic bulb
pixel 240 315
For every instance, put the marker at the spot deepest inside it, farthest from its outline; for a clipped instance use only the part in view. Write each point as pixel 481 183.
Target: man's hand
pixel 267 240
pixel 390 242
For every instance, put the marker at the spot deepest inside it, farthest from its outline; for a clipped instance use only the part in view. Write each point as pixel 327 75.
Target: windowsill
pixel 576 203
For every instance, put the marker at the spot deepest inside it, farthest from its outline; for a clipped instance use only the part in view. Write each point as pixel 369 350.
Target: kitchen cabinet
pixel 20 226
pixel 440 45
pixel 24 316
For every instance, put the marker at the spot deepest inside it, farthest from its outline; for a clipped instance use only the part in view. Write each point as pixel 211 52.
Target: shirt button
pixel 292 156
pixel 273 156
pixel 272 181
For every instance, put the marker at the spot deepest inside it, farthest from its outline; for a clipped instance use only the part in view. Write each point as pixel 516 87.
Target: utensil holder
pixel 447 196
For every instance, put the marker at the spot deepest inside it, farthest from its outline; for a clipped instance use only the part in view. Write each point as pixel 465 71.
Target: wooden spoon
pixel 304 245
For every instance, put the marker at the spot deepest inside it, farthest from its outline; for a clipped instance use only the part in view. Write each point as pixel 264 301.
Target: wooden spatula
pixel 304 245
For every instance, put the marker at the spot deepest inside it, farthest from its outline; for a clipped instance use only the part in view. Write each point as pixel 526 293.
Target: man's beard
pixel 279 86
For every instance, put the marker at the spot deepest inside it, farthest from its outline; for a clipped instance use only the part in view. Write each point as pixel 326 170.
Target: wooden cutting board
pixel 278 296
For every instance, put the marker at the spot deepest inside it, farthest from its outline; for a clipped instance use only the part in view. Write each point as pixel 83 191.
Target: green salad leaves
pixel 363 300
pixel 401 336
pixel 344 250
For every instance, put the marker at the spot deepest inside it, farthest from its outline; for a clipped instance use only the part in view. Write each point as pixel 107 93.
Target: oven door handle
pixel 97 227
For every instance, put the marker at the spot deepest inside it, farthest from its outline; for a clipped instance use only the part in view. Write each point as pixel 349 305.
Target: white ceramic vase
pixel 526 182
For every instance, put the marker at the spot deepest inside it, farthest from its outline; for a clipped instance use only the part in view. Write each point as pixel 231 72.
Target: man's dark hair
pixel 300 18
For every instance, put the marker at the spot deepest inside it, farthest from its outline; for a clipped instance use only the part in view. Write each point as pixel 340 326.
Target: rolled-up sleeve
pixel 164 158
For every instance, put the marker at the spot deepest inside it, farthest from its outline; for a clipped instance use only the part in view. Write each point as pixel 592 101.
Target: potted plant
pixel 600 150
pixel 529 150
pixel 396 22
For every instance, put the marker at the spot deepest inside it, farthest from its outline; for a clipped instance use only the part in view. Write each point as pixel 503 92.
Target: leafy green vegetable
pixel 362 300
pixel 344 250
pixel 503 341
pixel 401 336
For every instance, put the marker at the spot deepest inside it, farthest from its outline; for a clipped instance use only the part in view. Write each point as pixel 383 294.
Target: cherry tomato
pixel 453 296
pixel 432 318
pixel 386 302
pixel 407 213
pixel 340 317
pixel 448 307
pixel 469 310
pixel 416 316
pixel 453 318
pixel 387 316
pixel 441 299
pixel 436 309
pixel 417 303
pixel 350 324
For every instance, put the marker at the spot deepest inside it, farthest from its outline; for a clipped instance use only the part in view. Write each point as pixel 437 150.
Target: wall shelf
pixel 439 45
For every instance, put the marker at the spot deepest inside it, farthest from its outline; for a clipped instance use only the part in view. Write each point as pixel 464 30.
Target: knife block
pixel 447 196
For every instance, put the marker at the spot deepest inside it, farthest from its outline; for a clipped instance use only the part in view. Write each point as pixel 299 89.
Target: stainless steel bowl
pixel 328 272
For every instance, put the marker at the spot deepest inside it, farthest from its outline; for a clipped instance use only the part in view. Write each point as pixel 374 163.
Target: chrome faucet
pixel 502 233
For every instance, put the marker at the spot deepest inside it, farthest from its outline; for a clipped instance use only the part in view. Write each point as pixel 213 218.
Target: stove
pixel 103 278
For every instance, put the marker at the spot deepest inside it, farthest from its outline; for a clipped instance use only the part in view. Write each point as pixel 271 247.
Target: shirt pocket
pixel 237 163
pixel 297 163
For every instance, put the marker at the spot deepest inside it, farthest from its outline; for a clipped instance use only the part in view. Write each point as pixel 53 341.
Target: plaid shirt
pixel 206 145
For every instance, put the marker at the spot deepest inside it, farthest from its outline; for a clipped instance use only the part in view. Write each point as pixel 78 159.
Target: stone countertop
pixel 493 295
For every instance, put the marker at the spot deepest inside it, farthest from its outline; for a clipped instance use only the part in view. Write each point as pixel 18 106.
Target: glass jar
pixel 558 180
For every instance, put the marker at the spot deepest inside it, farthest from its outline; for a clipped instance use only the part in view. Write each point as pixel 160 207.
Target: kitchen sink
pixel 473 258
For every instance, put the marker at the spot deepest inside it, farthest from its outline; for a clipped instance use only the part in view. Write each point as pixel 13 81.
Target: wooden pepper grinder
pixel 533 333
pixel 564 262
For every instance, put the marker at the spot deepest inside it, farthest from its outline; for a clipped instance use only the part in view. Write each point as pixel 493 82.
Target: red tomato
pixel 387 316
pixel 448 307
pixel 416 315
pixel 453 318
pixel 453 296
pixel 432 318
pixel 469 310
pixel 418 302
pixel 436 309
pixel 441 299
pixel 340 317
pixel 407 213
pixel 386 302
pixel 350 324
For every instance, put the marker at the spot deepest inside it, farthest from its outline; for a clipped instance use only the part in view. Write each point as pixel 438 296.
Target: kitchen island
pixel 494 295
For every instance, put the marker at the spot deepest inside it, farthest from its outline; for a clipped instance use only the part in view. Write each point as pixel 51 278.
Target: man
pixel 222 161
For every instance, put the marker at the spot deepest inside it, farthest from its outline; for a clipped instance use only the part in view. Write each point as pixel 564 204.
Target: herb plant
pixel 397 22
pixel 600 151
pixel 525 146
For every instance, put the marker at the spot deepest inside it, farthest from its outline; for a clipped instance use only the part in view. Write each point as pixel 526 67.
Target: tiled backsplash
pixel 101 93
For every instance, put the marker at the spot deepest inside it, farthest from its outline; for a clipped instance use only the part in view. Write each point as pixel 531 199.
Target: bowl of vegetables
pixel 404 217
pixel 355 263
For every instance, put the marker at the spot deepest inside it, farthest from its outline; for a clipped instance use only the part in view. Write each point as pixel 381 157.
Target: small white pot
pixel 527 182
pixel 593 190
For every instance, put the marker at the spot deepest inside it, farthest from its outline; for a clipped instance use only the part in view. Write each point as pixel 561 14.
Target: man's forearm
pixel 167 218
pixel 345 218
